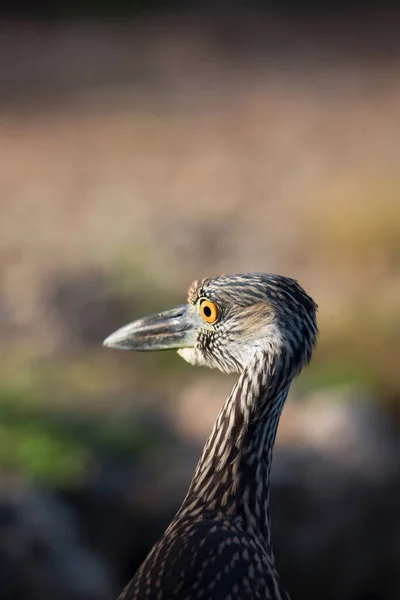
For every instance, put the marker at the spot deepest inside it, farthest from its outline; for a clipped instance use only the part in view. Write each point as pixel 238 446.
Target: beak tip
pixel 112 341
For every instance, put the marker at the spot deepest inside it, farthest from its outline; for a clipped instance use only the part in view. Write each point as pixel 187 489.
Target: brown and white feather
pixel 218 546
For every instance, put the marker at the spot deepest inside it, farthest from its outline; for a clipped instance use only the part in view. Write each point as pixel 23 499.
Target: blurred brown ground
pixel 137 157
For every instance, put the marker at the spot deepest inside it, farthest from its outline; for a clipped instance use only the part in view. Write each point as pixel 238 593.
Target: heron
pixel 218 546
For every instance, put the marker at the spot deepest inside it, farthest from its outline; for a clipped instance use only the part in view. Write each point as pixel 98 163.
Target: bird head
pixel 227 319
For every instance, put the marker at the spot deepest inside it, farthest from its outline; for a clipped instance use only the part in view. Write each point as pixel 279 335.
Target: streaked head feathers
pixel 257 311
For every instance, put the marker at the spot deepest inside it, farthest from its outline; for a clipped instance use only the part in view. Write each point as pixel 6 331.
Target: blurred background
pixel 144 145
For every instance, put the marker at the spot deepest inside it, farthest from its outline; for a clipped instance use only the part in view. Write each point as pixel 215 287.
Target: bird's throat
pixel 233 473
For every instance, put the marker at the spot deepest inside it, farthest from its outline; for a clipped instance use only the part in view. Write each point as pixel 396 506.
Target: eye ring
pixel 209 310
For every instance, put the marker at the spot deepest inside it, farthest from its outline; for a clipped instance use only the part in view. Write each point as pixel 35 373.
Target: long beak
pixel 168 330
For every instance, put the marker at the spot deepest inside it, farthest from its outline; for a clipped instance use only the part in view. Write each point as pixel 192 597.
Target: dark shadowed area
pixel 145 149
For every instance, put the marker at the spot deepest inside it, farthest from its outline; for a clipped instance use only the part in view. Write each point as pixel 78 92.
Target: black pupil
pixel 207 311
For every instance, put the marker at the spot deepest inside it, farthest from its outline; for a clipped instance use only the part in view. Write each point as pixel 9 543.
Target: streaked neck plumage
pixel 232 476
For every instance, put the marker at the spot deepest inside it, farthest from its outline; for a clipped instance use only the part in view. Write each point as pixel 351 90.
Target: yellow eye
pixel 209 311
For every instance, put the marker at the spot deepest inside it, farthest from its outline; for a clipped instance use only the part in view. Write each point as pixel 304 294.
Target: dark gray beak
pixel 168 330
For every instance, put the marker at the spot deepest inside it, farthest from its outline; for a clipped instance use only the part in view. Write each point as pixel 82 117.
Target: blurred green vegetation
pixel 65 448
pixel 55 420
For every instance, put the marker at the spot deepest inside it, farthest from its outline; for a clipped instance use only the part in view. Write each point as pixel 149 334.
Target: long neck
pixel 232 476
